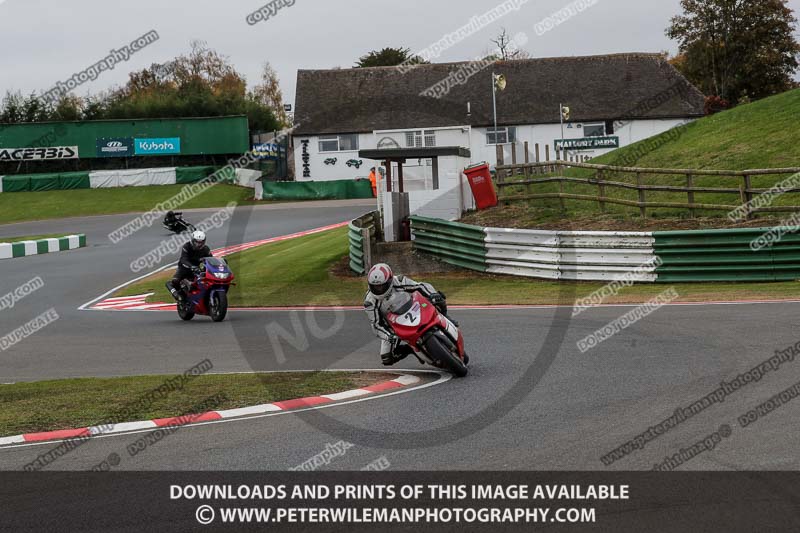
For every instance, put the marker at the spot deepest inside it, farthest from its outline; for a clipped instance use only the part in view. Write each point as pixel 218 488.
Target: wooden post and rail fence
pixel 523 175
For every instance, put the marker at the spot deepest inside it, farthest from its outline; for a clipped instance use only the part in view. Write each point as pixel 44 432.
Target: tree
pixel 269 94
pixel 388 57
pixel 506 49
pixel 201 83
pixel 68 107
pixel 11 110
pixel 736 48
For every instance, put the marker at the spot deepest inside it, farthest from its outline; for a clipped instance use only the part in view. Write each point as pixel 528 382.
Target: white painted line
pixel 120 287
pixel 166 306
pixel 124 298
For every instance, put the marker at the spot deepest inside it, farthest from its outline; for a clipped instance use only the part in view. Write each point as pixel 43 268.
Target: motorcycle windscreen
pixel 407 311
pixel 399 302
pixel 217 264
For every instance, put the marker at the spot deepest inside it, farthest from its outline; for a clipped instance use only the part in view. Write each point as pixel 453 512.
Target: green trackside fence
pixel 63 181
pixel 455 243
pixel 45 182
pixel 727 255
pixel 316 190
pixel 362 234
pixel 41 246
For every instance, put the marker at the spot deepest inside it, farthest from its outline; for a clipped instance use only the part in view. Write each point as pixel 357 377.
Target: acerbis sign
pixel 33 154
pixel 587 143
pixel 165 146
pixel 115 147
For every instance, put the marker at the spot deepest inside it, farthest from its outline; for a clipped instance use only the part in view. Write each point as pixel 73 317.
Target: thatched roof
pixel 609 87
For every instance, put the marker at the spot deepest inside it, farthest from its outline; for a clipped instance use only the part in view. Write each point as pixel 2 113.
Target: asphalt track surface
pixel 532 400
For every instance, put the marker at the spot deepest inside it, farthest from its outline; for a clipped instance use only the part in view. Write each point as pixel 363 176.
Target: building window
pixel 420 138
pixel 501 135
pixel 339 143
pixel 430 138
pixel 594 130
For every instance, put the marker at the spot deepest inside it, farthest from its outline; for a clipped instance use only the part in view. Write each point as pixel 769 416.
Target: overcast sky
pixel 45 41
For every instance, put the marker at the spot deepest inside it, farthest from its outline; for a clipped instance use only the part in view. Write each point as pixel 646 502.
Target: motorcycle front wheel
pixel 445 356
pixel 219 306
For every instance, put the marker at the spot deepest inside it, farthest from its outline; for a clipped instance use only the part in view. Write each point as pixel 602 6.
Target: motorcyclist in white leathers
pixel 382 284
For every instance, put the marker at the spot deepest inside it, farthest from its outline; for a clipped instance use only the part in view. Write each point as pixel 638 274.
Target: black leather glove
pixel 439 302
pixel 438 298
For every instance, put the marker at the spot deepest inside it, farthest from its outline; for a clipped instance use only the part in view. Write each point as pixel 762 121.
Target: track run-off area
pixel 532 400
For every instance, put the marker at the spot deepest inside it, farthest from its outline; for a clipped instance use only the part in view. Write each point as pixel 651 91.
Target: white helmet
pixel 380 279
pixel 198 239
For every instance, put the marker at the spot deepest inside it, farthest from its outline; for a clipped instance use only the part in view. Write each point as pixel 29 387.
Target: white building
pixel 614 100
pixel 623 98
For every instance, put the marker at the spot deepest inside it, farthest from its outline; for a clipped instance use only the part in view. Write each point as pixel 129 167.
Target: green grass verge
pixel 758 135
pixel 76 403
pixel 6 240
pixel 25 206
pixel 299 272
pixel 752 136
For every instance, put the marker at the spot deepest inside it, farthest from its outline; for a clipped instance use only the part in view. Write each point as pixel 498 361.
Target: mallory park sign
pixel 587 143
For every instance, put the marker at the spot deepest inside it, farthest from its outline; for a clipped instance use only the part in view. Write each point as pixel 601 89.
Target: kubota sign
pixel 165 146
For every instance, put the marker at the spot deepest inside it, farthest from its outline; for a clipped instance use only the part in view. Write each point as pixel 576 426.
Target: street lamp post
pixel 494 104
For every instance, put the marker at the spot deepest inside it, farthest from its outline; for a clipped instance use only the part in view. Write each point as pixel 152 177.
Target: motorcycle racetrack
pixel 532 400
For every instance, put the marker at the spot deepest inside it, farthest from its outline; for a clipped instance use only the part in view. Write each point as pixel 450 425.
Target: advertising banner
pixel 160 146
pixel 268 150
pixel 115 147
pixel 34 154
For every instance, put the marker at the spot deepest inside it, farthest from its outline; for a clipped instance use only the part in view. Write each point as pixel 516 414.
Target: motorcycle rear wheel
pixel 185 311
pixel 439 352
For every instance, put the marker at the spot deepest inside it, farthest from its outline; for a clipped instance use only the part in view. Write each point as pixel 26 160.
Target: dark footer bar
pixel 400 501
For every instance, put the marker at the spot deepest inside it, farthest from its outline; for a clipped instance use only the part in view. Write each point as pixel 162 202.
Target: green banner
pixel 317 190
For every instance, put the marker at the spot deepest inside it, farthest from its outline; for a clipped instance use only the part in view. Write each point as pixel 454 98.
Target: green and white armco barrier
pixel 661 256
pixel 458 244
pixel 9 250
pixel 728 255
pixel 360 247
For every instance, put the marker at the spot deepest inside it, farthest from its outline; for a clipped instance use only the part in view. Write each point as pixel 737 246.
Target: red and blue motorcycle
pixel 208 293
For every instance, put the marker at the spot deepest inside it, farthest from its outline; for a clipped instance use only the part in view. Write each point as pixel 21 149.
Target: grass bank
pixel 75 403
pixel 27 206
pixel 753 136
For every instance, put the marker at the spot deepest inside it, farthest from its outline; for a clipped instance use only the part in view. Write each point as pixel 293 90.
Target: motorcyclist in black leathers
pixel 192 255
